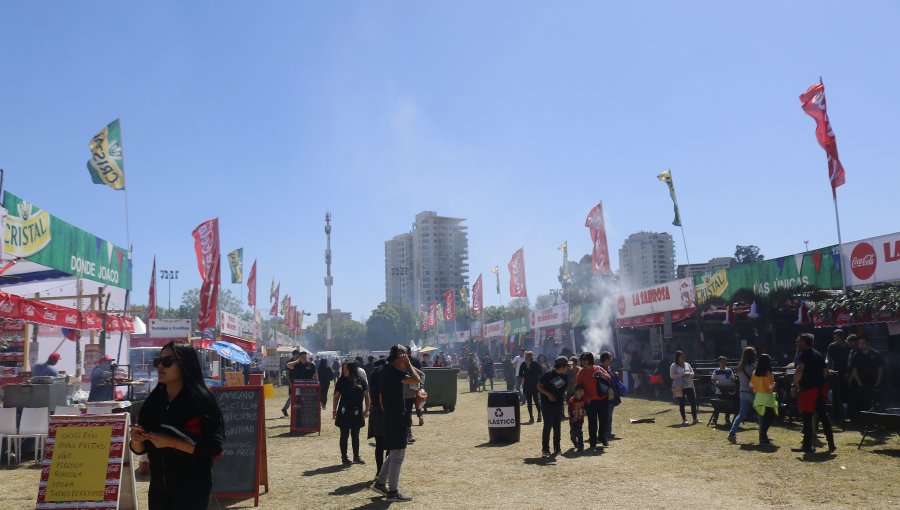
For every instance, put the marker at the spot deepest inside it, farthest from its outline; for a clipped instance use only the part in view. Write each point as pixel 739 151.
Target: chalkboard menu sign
pixel 236 474
pixel 305 406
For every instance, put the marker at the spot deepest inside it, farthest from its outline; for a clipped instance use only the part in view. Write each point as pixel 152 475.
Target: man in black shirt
pixel 395 375
pixel 809 389
pixel 836 358
pixel 552 385
pixel 866 374
pixel 299 368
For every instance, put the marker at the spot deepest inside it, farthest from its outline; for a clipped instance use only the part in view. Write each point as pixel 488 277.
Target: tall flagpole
pixel 837 219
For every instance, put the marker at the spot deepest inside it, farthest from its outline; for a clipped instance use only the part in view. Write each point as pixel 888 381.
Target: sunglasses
pixel 166 362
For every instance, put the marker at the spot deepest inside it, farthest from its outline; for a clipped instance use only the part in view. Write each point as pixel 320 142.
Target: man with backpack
pixel 592 377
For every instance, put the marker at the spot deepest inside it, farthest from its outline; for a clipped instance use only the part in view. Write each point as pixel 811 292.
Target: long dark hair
pixel 763 365
pixel 352 373
pixel 679 354
pixel 192 379
pixel 748 357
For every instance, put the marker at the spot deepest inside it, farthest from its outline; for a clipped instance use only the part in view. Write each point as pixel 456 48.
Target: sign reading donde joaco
pixel 34 234
pixel 873 260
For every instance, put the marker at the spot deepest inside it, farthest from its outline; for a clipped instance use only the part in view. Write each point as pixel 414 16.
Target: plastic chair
pixel 67 411
pixel 7 429
pixel 99 410
pixel 35 423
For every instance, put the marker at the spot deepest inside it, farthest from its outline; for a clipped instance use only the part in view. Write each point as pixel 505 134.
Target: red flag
pixel 449 305
pixel 477 296
pixel 813 101
pixel 206 245
pixel 274 311
pixel 287 312
pixel 597 226
pixel 517 287
pixel 152 300
pixel 432 315
pixel 251 286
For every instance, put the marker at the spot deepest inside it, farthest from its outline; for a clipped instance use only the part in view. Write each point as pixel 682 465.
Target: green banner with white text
pixel 817 268
pixel 36 235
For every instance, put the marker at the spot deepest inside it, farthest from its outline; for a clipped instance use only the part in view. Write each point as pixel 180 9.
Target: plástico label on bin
pixel 501 416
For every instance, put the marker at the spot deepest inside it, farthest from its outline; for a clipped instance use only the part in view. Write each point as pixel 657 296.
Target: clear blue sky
pixel 519 116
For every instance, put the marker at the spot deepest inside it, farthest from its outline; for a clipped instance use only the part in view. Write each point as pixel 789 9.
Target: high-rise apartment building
pixel 647 258
pixel 688 270
pixel 423 264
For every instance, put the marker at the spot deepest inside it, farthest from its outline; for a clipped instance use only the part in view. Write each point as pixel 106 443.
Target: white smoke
pixel 598 336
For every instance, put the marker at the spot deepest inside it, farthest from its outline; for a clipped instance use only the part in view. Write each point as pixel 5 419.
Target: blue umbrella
pixel 231 351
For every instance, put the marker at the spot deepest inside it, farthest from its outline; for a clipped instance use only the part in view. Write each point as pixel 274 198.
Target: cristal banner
pixel 36 235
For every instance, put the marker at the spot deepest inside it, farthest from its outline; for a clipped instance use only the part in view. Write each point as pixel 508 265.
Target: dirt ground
pixel 651 465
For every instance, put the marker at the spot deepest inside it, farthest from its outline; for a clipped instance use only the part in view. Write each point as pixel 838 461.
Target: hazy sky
pixel 519 116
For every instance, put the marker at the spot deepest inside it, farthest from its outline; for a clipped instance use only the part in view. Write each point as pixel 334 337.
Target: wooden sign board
pixel 306 410
pixel 243 466
pixel 84 464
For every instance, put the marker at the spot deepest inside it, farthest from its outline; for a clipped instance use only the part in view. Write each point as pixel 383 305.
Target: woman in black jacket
pixel 181 429
pixel 350 393
pixel 326 374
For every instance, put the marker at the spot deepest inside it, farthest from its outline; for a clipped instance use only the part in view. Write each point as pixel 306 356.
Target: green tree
pixel 190 304
pixel 383 327
pixel 747 254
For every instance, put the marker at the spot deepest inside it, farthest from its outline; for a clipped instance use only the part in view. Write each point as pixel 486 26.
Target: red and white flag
pixel 206 246
pixel 251 286
pixel 274 311
pixel 517 286
pixel 813 101
pixel 432 315
pixel 287 312
pixel 449 305
pixel 477 296
pixel 424 324
pixel 151 304
pixel 597 226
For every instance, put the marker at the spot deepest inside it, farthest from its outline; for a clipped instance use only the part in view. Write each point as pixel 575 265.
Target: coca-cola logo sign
pixel 863 261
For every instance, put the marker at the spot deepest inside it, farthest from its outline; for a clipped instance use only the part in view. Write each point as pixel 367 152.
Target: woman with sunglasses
pixel 181 429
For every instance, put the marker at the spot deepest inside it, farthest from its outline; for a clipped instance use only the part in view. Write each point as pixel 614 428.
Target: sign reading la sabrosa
pixel 36 235
pixel 665 297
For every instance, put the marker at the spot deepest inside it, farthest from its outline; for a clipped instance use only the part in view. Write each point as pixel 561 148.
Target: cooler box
pixel 440 383
pixel 256 379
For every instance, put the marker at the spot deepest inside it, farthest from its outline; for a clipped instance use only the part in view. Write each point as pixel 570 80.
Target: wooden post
pixel 26 347
pixel 78 370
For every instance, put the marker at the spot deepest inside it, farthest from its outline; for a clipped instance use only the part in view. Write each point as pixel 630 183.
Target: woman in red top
pixel 597 409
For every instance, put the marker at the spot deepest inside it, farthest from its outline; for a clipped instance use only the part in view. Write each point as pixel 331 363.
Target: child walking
pixel 576 417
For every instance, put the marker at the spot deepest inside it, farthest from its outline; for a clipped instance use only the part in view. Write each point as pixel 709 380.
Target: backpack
pixel 604 385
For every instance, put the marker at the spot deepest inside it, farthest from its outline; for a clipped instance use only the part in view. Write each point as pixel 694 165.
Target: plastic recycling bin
pixel 440 383
pixel 504 425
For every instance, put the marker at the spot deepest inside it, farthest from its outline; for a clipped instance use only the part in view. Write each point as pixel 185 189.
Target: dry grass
pixel 659 465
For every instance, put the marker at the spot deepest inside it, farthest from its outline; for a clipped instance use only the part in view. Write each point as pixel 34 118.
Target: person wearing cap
pixel 48 368
pixel 101 380
pixel 722 380
pixel 552 387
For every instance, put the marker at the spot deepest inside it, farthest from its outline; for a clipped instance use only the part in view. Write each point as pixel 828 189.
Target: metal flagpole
pixel 684 240
pixel 837 219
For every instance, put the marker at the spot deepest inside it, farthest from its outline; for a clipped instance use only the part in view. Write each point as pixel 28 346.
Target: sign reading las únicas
pixel 36 235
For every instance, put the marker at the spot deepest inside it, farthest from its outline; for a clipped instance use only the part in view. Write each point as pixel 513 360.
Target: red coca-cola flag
pixel 432 315
pixel 251 286
pixel 477 296
pixel 449 305
pixel 813 101
pixel 517 286
pixel 206 246
pixel 151 302
pixel 597 226
pixel 274 311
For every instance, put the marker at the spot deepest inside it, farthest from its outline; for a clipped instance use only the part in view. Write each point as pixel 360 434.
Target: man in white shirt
pixel 517 362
